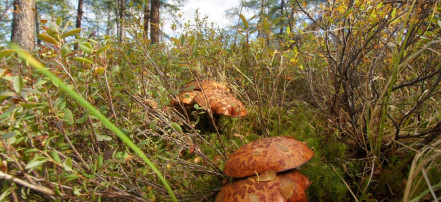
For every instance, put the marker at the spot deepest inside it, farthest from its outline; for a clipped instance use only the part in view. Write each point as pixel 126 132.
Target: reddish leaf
pixel 191 150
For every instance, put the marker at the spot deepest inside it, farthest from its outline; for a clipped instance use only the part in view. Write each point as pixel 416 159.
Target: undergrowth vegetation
pixel 360 86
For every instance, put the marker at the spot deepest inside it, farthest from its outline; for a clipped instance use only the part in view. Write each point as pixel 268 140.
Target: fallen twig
pixel 38 188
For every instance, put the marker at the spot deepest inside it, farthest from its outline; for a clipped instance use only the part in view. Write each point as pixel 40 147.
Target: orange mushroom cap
pixel 276 153
pixel 215 96
pixel 289 186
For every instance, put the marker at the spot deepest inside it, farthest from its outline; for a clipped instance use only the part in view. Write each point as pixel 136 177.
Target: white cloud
pixel 214 9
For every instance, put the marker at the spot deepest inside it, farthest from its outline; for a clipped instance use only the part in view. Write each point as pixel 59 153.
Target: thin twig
pixel 39 188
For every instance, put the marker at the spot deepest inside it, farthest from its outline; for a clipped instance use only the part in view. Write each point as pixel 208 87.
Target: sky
pixel 214 9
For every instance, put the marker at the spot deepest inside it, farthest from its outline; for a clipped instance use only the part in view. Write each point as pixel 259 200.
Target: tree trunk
pixel 79 18
pixel 238 22
pixel 154 21
pixel 146 20
pixel 23 24
pixel 261 29
pixel 79 13
pixel 282 5
pixel 290 17
pixel 109 9
pixel 37 25
pixel 121 19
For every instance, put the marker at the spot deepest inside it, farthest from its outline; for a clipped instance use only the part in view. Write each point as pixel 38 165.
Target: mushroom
pixel 264 160
pixel 289 186
pixel 212 95
pixel 276 153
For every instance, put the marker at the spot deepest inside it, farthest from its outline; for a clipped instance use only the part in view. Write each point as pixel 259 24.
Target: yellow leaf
pixel 103 49
pixel 71 32
pixel 6 52
pixel 79 59
pixel 48 39
pixel 98 70
pixel 340 9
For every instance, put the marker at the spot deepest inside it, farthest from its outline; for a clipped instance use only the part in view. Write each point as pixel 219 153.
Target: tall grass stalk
pixel 43 70
pixel 427 158
pixel 396 66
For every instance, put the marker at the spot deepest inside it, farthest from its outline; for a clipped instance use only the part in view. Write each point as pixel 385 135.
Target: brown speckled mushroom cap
pixel 276 153
pixel 289 186
pixel 215 96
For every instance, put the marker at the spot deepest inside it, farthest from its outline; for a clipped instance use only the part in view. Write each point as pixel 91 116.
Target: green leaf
pixel 103 137
pixel 116 69
pixel 76 191
pixel 176 41
pixel 176 126
pixel 54 155
pixel 37 161
pixel 182 42
pixel 394 12
pixel 33 105
pixel 6 95
pixel 5 195
pixel 85 46
pixel 65 49
pixel 88 175
pixel 57 191
pixel 82 60
pixel 189 88
pixel 67 164
pixel 6 52
pixel 48 39
pixel 70 177
pixel 17 83
pixel 196 106
pixel 30 151
pixel 68 116
pixel 83 118
pixel 7 113
pixel 71 32
pixel 100 160
pixel 244 21
pixel 192 40
pixel 9 134
pixel 107 47
pixel 59 21
pixel 52 30
pixel 380 5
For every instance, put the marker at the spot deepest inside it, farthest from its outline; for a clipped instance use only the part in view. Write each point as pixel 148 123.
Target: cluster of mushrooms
pixel 269 167
pixel 265 169
pixel 213 96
